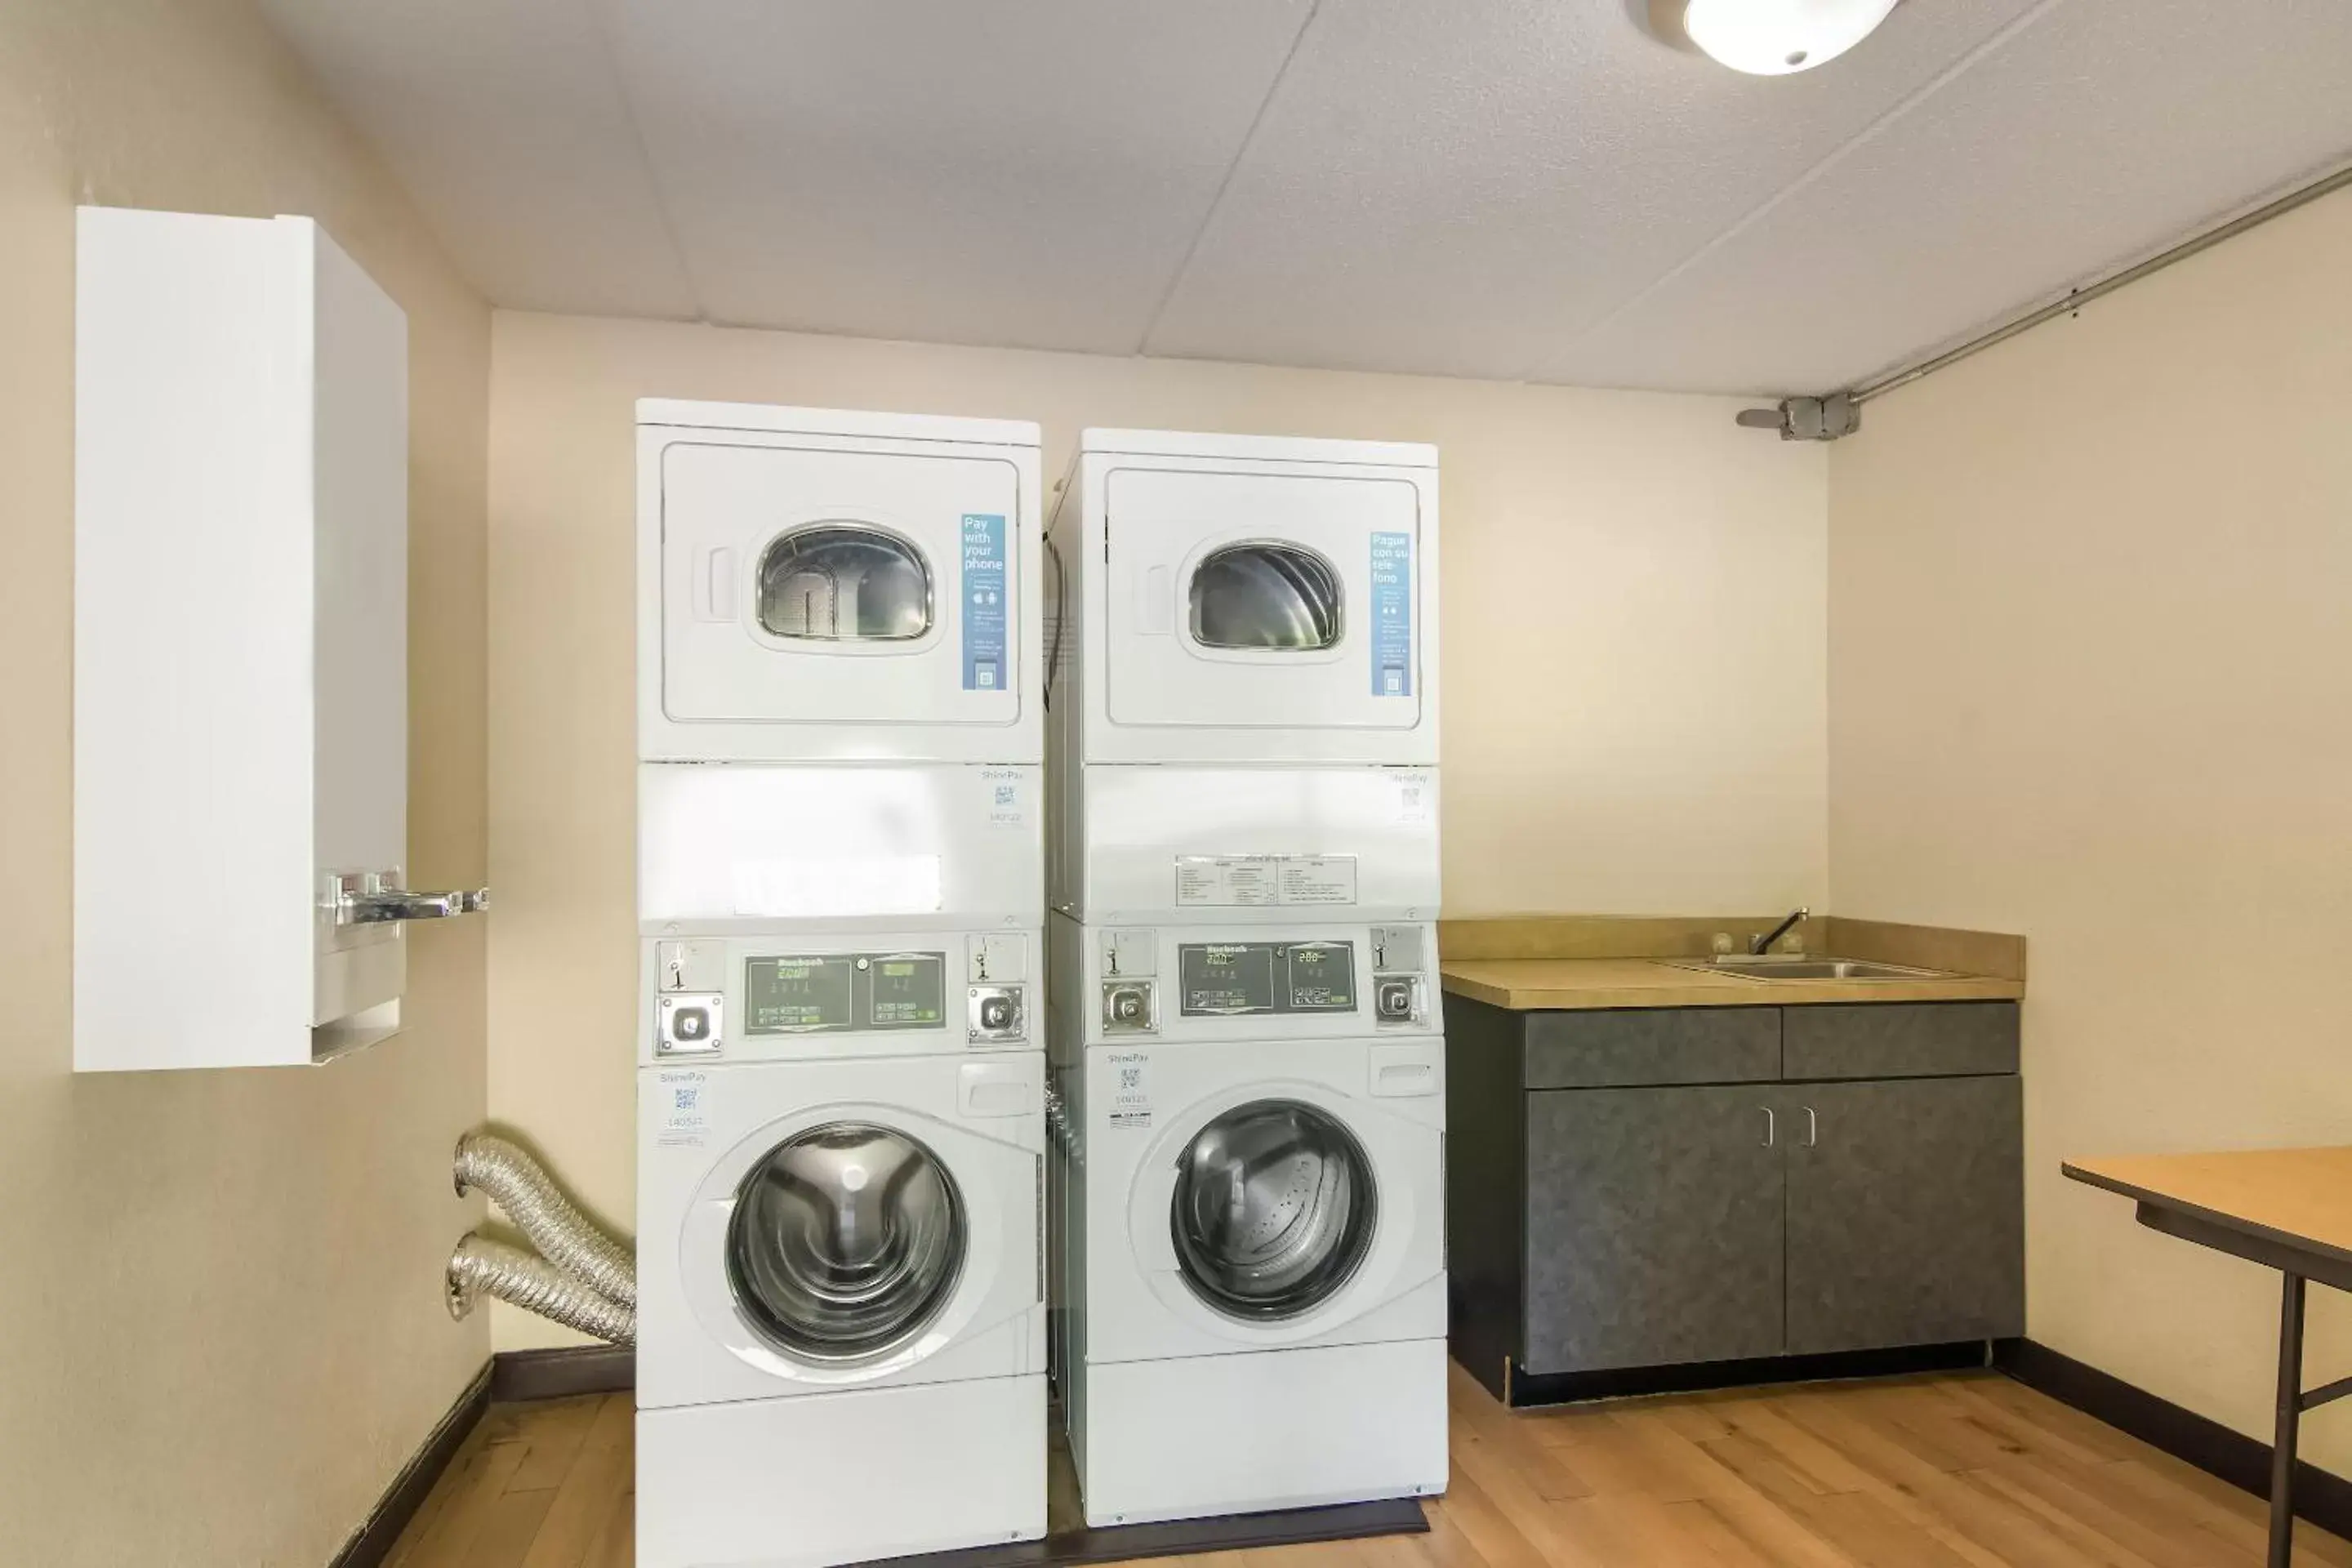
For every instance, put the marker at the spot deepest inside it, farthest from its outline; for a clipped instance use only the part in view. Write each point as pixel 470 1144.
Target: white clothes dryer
pixel 841 1300
pixel 816 584
pixel 1246 599
pixel 1250 1216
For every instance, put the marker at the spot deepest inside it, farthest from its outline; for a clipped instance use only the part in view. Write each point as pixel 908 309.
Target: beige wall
pixel 2091 679
pixel 1633 624
pixel 220 1328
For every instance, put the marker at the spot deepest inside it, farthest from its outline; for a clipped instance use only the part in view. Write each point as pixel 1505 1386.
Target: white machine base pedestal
pixel 1275 1429
pixel 815 1480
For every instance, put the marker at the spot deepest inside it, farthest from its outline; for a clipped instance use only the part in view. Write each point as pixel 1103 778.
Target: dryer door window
pixel 846 1242
pixel 1274 1210
pixel 844 582
pixel 1281 598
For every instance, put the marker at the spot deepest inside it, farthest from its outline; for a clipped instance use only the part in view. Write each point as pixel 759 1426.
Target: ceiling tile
pixel 504 121
pixel 1463 188
pixel 2107 130
pixel 1030 173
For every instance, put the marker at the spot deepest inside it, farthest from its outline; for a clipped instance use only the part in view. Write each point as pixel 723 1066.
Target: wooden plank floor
pixel 1951 1470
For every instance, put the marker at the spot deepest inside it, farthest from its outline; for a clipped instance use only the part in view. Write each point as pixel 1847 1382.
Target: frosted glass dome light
pixel 1775 37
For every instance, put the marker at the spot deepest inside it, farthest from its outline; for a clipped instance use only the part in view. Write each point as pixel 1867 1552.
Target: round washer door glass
pixel 1274 1209
pixel 846 1242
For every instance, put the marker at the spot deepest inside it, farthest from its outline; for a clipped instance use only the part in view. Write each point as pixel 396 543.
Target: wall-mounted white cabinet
pixel 240 645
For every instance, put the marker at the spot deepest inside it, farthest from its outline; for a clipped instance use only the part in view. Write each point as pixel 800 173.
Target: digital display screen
pixel 1225 979
pixel 908 991
pixel 804 994
pixel 795 996
pixel 1322 977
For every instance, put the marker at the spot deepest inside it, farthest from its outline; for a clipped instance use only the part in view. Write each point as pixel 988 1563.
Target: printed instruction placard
pixel 1250 881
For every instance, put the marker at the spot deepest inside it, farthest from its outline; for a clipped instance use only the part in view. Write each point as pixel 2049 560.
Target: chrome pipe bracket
pixel 377 897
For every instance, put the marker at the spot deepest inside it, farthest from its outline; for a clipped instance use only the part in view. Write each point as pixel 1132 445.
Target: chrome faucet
pixel 1760 945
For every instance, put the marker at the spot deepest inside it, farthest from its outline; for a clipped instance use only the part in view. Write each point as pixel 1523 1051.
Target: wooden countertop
pixel 1531 985
pixel 2300 1196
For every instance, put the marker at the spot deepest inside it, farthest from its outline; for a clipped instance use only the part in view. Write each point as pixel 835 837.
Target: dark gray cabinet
pixel 1653 1188
pixel 1905 1212
pixel 1653 1227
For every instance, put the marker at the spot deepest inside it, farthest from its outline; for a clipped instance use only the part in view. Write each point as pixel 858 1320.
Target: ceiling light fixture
pixel 1769 38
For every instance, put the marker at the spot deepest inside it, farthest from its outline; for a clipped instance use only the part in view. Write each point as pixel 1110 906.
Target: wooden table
pixel 2288 1209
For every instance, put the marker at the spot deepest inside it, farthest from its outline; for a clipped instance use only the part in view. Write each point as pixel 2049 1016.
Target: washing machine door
pixel 801 585
pixel 1263 602
pixel 1273 1211
pixel 846 1242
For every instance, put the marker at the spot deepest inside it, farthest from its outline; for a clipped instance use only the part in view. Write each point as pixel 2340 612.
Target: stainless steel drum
pixel 843 582
pixel 1265 595
pixel 846 1242
pixel 1274 1209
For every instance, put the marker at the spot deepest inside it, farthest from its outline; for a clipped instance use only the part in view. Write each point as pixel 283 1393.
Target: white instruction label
pixel 1131 1088
pixel 1227 881
pixel 1318 880
pixel 1247 881
pixel 683 1103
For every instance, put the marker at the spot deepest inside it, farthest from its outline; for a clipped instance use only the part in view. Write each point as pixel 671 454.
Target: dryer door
pixel 828 587
pixel 1269 602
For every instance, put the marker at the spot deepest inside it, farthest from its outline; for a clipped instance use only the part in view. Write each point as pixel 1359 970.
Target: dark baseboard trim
pixel 1529 1389
pixel 2321 1496
pixel 562 1372
pixel 373 1541
pixel 1226 1532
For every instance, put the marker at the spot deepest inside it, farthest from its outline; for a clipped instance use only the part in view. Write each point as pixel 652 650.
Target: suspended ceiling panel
pixel 1511 188
pixel 1463 188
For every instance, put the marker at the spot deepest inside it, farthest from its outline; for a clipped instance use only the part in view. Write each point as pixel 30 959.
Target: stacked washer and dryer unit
pixel 841 1106
pixel 1244 1014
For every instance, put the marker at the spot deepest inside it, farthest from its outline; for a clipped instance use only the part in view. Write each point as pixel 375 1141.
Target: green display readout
pixel 1322 977
pixel 805 994
pixel 799 994
pixel 910 992
pixel 1222 979
pixel 1226 977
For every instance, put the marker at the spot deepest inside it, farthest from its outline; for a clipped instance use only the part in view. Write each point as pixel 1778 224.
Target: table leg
pixel 2289 1408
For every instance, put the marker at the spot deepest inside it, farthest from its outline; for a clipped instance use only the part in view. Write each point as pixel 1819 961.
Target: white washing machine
pixel 815 585
pixel 1246 599
pixel 1249 1208
pixel 840 1266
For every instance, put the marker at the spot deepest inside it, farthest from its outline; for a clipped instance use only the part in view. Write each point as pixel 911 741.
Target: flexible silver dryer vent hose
pixel 481 1266
pixel 563 1236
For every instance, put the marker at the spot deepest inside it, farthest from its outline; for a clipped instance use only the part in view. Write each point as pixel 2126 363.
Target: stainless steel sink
pixel 1799 968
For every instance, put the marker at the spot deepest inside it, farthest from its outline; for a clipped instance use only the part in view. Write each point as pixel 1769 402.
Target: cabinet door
pixel 1653 1226
pixel 1906 1212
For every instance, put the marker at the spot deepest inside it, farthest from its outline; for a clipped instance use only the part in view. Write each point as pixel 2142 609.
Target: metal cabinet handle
pixel 1768 1126
pixel 1812 1128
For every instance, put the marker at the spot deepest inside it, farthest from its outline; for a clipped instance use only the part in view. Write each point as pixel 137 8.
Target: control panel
pixel 1322 979
pixel 712 993
pixel 1229 979
pixel 806 993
